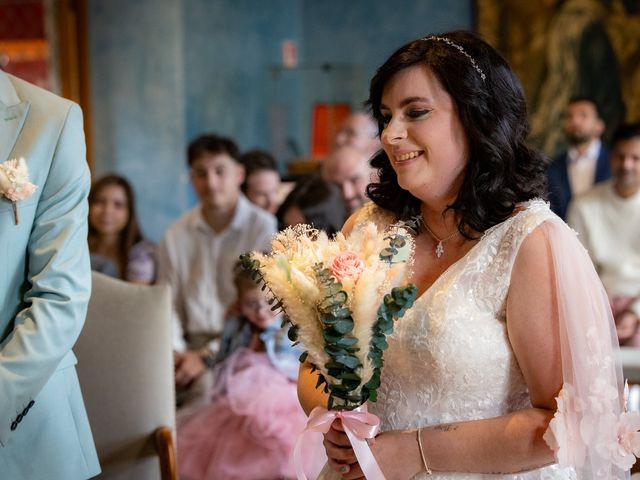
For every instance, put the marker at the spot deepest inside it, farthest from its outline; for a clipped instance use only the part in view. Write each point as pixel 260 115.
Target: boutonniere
pixel 15 184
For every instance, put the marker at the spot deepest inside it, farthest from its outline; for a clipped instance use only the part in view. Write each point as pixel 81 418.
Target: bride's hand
pixel 340 455
pixel 396 453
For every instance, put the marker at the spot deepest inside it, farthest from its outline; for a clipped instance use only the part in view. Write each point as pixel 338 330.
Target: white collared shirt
pixel 582 168
pixel 198 265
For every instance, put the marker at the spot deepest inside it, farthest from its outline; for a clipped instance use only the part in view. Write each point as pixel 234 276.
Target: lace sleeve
pixel 591 429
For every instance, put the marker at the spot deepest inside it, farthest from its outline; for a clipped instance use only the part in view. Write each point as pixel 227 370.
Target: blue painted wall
pixel 163 71
pixel 138 119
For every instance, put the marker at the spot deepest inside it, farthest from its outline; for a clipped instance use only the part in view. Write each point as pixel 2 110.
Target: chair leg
pixel 167 453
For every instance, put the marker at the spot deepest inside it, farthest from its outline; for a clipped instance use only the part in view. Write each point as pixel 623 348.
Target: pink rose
pixel 347 265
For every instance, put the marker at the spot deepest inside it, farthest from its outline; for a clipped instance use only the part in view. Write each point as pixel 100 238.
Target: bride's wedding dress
pixel 449 357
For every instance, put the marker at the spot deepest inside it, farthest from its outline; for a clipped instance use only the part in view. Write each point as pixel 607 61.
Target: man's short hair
pixel 212 144
pixel 584 98
pixel 256 160
pixel 626 131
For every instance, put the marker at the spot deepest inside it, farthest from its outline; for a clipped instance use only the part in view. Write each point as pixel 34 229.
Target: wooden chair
pixel 125 365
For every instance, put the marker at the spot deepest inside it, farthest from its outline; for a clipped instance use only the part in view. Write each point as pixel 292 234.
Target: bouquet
pixel 340 297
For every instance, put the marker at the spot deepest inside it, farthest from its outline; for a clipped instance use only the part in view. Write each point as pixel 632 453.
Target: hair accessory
pixel 461 50
pixel 424 461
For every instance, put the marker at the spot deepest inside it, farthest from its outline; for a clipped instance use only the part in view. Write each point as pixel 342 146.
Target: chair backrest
pixel 125 365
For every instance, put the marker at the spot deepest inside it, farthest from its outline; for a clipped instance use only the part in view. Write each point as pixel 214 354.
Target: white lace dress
pixel 449 358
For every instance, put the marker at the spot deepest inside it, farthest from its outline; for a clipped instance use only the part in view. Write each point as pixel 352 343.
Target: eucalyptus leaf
pixel 344 325
pixel 349 376
pixel 341 313
pixel 347 342
pixel 335 350
pixel 332 364
pixel 351 385
pixel 293 333
pixel 376 361
pixel 331 336
pixel 374 382
pixel 348 361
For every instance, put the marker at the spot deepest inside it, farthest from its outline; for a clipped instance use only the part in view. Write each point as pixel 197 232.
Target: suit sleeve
pixel 59 277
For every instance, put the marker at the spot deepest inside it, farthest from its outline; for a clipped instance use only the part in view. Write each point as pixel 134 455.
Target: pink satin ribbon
pixel 359 425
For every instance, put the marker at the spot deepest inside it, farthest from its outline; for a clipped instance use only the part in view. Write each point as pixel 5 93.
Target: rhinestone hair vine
pixel 461 50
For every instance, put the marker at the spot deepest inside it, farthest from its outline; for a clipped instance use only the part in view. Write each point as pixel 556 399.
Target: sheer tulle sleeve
pixel 591 429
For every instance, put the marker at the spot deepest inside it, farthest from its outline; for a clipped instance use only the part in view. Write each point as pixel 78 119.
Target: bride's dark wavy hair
pixel 502 169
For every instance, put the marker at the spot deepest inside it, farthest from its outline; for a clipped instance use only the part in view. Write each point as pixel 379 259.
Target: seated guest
pixel 249 428
pixel 574 171
pixel 349 168
pixel 116 244
pixel 313 201
pixel 262 180
pixel 197 255
pixel 358 130
pixel 607 219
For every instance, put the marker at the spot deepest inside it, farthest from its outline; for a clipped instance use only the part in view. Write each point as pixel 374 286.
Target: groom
pixel 44 286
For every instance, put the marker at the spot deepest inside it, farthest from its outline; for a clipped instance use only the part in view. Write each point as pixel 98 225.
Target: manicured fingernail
pixel 344 469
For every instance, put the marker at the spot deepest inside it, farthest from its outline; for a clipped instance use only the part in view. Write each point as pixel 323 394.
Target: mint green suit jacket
pixel 45 283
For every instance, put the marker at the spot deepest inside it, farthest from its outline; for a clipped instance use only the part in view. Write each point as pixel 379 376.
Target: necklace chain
pixel 439 246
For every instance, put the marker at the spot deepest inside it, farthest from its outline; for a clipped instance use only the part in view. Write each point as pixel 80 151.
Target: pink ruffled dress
pixel 249 430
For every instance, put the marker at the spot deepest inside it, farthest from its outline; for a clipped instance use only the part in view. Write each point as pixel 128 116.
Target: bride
pixel 504 368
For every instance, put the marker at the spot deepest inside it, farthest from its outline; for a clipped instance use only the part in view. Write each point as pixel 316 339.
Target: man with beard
pixel 607 219
pixel 585 163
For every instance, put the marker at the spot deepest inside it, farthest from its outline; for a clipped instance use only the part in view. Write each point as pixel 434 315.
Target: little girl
pixel 250 428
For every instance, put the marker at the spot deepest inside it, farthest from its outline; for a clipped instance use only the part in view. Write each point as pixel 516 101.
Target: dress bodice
pixel 449 358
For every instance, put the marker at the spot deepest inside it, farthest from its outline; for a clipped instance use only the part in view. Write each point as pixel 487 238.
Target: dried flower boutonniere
pixel 15 184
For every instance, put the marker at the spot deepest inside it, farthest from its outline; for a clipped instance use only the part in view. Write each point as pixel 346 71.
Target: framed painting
pixel 566 48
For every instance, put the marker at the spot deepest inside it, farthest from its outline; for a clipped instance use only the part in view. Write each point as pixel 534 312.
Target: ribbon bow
pixel 359 425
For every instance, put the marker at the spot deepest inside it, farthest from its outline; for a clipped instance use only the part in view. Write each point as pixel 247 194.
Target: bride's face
pixel 423 136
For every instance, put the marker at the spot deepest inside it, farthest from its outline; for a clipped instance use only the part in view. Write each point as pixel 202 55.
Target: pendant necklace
pixel 439 246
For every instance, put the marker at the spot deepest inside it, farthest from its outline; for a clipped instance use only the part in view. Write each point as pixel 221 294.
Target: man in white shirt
pixel 199 251
pixel 607 219
pixel 585 163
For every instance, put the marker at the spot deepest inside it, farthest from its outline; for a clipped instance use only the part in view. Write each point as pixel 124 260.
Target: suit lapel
pixel 13 113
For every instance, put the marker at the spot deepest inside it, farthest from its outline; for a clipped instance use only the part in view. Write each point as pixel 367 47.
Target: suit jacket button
pixel 19 418
pixel 14 425
pixel 30 404
pixel 24 412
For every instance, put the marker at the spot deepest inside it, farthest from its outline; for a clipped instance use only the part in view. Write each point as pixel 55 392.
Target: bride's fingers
pixel 337 437
pixel 348 472
pixel 342 454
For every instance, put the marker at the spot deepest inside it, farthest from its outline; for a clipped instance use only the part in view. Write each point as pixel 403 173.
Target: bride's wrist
pixel 407 450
